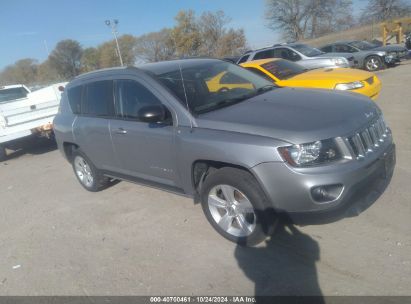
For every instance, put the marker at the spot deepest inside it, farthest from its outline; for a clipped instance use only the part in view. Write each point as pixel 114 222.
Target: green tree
pixel 186 35
pixel 108 52
pixel 23 71
pixel 90 60
pixel 65 58
pixel 46 73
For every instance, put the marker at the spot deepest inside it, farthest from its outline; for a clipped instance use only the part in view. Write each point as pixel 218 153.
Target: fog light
pixel 327 193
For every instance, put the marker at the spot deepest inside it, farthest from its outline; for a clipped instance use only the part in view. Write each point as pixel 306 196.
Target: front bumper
pixel 290 190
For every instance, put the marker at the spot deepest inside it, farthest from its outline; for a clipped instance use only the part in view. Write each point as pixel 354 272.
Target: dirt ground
pixel 58 239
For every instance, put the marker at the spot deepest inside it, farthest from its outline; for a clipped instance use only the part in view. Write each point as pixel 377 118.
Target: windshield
pixel 363 45
pixel 283 69
pixel 211 85
pixel 12 94
pixel 307 50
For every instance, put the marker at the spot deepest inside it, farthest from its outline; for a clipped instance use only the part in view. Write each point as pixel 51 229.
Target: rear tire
pixel 373 63
pixel 235 205
pixel 87 174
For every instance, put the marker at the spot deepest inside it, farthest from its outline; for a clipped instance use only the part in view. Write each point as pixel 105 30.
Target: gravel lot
pixel 58 239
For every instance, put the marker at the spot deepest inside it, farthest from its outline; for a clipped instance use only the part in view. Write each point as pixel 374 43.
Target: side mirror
pixel 152 113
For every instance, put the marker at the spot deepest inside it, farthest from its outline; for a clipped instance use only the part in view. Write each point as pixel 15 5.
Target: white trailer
pixel 24 113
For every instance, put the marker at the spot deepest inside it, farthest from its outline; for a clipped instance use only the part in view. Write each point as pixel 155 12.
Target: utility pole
pixel 113 25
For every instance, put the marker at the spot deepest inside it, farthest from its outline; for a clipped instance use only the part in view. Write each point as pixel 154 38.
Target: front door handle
pixel 121 131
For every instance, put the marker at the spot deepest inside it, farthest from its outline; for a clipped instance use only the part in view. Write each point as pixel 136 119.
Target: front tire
pixel 373 63
pixel 87 174
pixel 236 207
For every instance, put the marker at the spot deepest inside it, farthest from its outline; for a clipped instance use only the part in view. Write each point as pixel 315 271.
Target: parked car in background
pixel 408 41
pixel 245 153
pixel 24 113
pixel 308 57
pixel 290 74
pixel 367 55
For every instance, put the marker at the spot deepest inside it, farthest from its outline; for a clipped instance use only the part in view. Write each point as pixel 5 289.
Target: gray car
pixel 308 57
pixel 247 152
pixel 367 55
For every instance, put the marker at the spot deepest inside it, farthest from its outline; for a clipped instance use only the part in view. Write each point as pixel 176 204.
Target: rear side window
pixel 286 54
pixel 327 49
pixel 98 99
pixel 74 97
pixel 264 54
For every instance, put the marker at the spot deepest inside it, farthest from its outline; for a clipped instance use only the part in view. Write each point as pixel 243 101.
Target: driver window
pixel 131 97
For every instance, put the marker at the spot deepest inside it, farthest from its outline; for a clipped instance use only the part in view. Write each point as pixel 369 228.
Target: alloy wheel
pixel 83 171
pixel 232 210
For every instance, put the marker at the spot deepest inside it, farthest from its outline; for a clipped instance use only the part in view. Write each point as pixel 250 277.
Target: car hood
pixel 294 115
pixel 329 75
pixel 390 48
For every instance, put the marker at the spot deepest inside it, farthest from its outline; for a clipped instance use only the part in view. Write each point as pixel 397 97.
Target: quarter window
pixel 131 97
pixel 243 59
pixel 74 97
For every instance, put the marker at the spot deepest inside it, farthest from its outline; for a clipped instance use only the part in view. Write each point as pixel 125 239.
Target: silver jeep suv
pixel 209 129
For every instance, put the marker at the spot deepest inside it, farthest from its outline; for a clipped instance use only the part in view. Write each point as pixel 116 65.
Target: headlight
pixel 3 122
pixel 309 154
pixel 340 61
pixel 392 54
pixel 349 86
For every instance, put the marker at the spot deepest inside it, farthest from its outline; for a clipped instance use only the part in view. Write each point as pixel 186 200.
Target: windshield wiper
pixel 265 88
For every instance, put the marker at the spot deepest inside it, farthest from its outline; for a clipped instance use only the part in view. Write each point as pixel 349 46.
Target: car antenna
pixel 185 95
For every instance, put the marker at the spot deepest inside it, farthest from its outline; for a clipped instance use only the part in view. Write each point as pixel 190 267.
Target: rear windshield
pixel 283 69
pixel 12 94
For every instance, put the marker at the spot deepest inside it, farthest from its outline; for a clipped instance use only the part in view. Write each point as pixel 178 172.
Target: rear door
pixel 91 128
pixel 145 150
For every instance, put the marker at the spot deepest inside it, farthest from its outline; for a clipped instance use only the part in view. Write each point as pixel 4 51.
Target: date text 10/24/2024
pixel 203 299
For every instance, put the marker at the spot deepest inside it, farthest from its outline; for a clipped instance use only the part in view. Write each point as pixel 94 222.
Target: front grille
pixel 370 80
pixel 367 140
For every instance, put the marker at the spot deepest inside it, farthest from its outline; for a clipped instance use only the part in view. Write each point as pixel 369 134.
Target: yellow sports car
pixel 289 74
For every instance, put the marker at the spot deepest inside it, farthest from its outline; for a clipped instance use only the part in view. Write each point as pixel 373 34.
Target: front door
pixel 144 150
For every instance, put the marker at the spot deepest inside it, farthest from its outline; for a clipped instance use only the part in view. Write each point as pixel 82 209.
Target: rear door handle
pixel 121 131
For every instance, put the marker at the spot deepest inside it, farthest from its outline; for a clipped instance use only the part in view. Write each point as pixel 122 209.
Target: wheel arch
pixel 202 167
pixel 68 148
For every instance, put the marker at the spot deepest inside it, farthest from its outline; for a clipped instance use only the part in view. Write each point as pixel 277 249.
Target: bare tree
pixel 212 29
pixel 155 46
pixel 291 16
pixel 308 18
pixel 380 10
